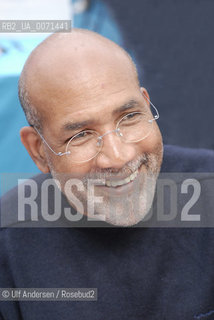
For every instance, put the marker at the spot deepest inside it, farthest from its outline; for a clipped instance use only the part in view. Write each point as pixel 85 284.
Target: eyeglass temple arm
pixel 43 139
pixel 157 116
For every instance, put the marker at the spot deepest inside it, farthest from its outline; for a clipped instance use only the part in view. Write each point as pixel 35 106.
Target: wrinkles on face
pixel 82 80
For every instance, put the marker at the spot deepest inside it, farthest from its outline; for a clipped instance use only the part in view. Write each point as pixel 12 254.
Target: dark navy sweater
pixel 140 273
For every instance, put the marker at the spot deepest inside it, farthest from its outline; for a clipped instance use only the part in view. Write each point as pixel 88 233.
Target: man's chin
pixel 128 209
pixel 124 223
pixel 122 218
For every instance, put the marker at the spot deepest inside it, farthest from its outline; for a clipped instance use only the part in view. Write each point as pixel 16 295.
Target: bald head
pixel 65 64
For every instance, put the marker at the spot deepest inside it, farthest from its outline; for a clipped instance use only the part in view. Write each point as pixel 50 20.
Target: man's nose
pixel 115 153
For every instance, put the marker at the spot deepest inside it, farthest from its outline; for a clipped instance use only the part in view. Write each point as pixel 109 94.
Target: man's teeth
pixel 121 182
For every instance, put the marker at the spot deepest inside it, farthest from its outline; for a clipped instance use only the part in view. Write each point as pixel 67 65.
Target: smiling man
pixel 90 119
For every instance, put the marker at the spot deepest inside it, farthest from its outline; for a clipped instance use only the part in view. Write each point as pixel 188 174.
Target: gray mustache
pixel 114 173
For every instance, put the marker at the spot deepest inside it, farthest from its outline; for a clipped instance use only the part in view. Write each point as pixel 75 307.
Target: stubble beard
pixel 127 209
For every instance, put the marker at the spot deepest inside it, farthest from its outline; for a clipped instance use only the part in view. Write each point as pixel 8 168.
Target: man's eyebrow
pixel 127 106
pixel 72 126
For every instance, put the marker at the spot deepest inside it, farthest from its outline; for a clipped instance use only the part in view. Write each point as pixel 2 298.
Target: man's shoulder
pixel 9 201
pixel 13 193
pixel 180 159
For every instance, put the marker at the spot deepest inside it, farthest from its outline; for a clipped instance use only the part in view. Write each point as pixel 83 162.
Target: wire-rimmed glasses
pixel 86 145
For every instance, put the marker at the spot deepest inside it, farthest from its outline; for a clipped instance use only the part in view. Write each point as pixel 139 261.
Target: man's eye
pixel 81 137
pixel 132 116
pixel 131 119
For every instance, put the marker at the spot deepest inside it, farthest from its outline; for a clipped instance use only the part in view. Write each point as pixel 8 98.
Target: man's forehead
pixel 77 73
pixel 101 87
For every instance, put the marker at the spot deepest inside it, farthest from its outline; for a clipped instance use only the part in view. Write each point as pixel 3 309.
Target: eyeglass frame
pixel 100 138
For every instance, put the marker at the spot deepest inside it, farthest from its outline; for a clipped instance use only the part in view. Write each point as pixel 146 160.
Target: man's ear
pixel 35 148
pixel 145 94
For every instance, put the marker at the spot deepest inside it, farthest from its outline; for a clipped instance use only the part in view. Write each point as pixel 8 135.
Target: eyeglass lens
pixel 133 127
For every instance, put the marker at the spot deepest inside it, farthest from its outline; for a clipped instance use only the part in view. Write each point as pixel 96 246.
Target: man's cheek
pixel 72 169
pixel 153 144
